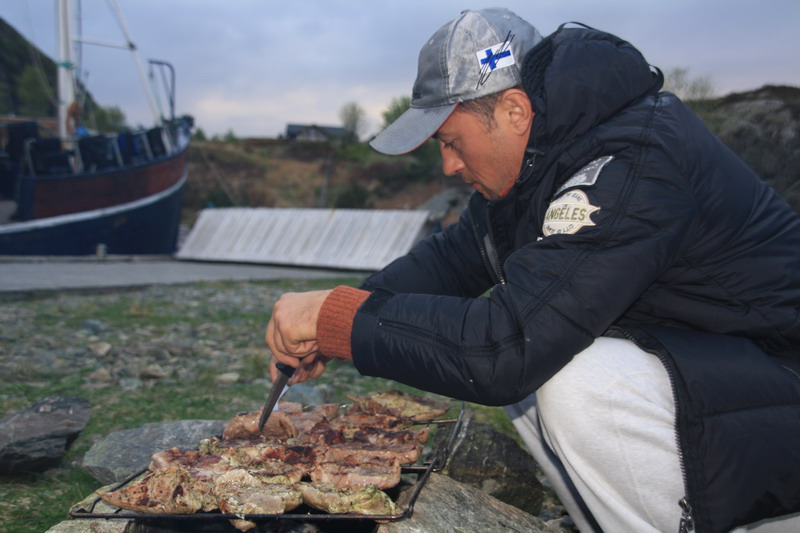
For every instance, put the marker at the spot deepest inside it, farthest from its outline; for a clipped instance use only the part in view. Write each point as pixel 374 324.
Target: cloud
pixel 254 65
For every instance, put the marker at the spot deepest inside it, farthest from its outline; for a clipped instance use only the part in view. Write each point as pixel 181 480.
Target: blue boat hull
pixel 146 226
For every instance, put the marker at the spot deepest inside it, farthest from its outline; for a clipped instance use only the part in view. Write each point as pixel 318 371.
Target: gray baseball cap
pixel 477 54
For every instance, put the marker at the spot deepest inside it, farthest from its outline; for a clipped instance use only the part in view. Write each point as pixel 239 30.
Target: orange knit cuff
pixel 335 322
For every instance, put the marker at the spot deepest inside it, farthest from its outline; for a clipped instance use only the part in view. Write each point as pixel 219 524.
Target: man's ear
pixel 516 108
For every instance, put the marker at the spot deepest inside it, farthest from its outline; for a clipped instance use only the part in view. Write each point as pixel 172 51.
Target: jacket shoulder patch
pixel 587 176
pixel 568 213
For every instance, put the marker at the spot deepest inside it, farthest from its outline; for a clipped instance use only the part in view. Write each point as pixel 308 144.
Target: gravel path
pixel 136 338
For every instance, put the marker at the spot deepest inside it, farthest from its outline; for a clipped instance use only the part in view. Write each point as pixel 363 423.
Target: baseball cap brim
pixel 411 129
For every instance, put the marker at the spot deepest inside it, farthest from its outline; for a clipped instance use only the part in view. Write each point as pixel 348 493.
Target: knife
pixel 285 372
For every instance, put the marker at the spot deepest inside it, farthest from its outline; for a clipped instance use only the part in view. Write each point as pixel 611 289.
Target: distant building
pixel 313 133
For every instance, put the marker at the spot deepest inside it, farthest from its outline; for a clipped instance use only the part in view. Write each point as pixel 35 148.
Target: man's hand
pixel 311 367
pixel 292 334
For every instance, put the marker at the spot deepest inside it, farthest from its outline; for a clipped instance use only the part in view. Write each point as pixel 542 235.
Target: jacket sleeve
pixel 562 292
pixel 446 262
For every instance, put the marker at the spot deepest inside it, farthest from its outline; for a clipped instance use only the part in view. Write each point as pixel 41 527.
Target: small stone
pixel 100 349
pixel 130 384
pixel 101 375
pixel 227 378
pixel 94 326
pixel 154 371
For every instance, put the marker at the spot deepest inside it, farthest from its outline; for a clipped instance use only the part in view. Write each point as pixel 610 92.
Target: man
pixel 642 325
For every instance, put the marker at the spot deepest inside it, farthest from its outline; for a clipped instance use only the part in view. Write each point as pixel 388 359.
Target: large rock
pixel 36 438
pixel 488 460
pixel 761 127
pixel 124 453
pixel 447 506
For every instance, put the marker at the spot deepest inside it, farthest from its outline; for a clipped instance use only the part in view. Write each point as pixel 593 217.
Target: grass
pixel 210 322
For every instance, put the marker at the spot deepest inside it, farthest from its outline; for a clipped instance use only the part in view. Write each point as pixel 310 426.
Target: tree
pixel 199 135
pixel 109 119
pixel 396 108
pixel 33 98
pixel 676 80
pixel 230 136
pixel 352 117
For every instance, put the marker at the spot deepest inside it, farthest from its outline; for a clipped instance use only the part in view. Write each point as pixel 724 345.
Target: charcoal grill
pixel 436 460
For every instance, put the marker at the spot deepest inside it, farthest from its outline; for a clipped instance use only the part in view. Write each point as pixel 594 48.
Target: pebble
pixel 227 378
pixel 187 340
pixel 100 348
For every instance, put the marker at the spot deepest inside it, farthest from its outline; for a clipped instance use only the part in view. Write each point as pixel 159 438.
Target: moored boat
pixel 74 193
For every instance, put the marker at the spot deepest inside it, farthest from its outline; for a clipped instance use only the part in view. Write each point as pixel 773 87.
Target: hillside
pixel 762 126
pixel 28 83
pixel 278 173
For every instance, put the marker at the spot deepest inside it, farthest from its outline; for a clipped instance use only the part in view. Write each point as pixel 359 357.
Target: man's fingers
pixel 311 368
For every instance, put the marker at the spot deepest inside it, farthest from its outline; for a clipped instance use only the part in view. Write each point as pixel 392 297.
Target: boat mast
pixel 66 66
pixel 132 47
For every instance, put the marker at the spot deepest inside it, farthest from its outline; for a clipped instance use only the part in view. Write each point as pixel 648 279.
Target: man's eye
pixel 450 144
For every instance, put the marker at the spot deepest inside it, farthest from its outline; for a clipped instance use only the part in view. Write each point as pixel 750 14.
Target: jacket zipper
pixel 687 521
pixel 486 241
pixel 491 250
pixel 484 246
pixel 792 371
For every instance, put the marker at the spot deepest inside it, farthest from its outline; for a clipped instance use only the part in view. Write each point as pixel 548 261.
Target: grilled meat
pixel 381 437
pixel 350 423
pixel 278 426
pixel 349 458
pixel 167 490
pixel 322 433
pixel 240 492
pixel 400 404
pixel 326 497
pixel 405 453
pixel 352 472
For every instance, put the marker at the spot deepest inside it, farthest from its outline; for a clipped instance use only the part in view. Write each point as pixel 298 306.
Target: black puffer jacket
pixel 630 215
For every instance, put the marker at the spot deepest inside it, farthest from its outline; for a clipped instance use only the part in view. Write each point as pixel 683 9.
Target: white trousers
pixel 602 430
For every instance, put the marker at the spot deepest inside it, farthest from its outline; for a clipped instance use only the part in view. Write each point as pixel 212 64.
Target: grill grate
pixel 423 471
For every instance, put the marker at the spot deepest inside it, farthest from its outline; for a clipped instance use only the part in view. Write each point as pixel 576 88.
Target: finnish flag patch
pixel 498 56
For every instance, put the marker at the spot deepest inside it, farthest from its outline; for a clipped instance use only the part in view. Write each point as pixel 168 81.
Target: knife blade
pixel 285 372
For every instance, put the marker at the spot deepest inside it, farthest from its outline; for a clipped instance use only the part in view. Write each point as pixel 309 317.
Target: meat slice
pixel 240 492
pixel 193 461
pixel 400 404
pixel 279 426
pixel 352 472
pixel 367 501
pixel 167 490
pixel 321 433
pixel 389 438
pixel 202 468
pixel 405 453
pixel 292 462
pixel 328 410
pixel 350 423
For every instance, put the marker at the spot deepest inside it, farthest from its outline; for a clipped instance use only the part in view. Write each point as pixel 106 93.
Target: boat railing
pixel 43 156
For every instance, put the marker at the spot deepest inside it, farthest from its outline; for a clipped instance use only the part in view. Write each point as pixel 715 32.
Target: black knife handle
pixel 286 369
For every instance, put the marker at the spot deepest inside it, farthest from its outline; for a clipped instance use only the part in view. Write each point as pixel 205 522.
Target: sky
pixel 253 66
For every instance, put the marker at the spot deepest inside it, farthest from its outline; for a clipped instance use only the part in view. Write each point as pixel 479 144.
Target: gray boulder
pixel 486 459
pixel 121 454
pixel 447 506
pixel 36 438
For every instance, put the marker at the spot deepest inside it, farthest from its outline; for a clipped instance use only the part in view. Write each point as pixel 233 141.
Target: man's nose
pixel 451 163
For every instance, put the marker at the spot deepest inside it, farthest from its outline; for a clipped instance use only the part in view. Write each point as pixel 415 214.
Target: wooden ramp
pixel 354 239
